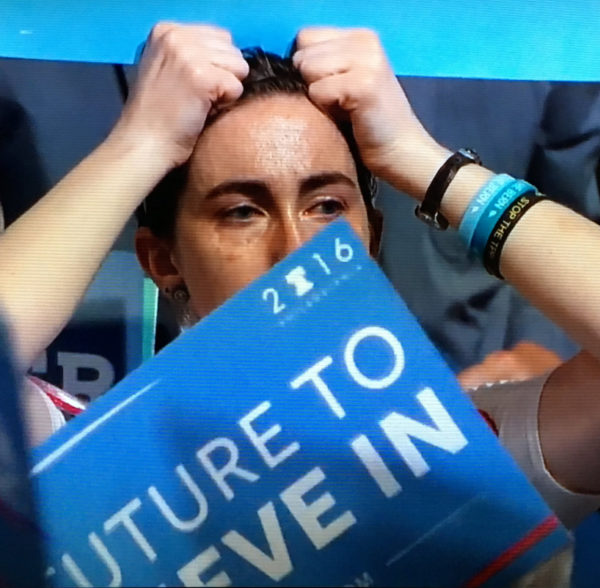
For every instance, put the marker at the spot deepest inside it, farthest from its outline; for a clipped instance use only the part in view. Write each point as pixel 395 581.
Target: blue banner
pixel 305 433
pixel 508 39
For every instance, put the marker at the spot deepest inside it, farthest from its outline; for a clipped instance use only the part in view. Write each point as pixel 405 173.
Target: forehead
pixel 274 138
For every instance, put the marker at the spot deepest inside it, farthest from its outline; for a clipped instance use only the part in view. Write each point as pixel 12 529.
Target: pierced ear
pixel 375 218
pixel 155 256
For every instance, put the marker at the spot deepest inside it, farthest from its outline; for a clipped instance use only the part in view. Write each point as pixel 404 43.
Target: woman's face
pixel 264 178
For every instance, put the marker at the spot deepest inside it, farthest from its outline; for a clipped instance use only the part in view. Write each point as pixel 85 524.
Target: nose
pixel 290 234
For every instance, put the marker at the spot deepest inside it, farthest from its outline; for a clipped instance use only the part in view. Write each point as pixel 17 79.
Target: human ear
pixel 155 256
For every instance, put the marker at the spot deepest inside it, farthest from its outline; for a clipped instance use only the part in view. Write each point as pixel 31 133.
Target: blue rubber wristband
pixel 477 205
pixel 500 201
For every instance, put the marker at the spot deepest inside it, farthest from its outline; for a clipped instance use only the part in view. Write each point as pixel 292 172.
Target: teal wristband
pixel 477 205
pixel 493 210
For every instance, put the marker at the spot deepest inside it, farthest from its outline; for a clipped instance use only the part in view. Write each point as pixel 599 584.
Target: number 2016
pixel 343 253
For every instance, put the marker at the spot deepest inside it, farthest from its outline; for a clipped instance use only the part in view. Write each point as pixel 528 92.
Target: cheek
pixel 215 268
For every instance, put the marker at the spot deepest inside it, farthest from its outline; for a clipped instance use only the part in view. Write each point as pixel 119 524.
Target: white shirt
pixel 513 406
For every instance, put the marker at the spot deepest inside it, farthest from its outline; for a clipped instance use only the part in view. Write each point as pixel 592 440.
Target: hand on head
pixel 347 70
pixel 280 140
pixel 185 71
pixel 188 70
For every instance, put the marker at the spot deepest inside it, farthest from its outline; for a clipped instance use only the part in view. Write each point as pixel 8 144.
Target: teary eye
pixel 328 207
pixel 242 212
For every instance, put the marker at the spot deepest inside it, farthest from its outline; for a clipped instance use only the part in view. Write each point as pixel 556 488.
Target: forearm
pixel 550 256
pixel 49 256
pixel 59 244
pixel 557 271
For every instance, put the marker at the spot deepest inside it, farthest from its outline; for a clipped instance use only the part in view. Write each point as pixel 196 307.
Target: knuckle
pixel 238 62
pixel 320 93
pixel 300 38
pixel 170 38
pixel 234 89
pixel 349 101
pixel 305 36
pixel 298 59
pixel 224 87
pixel 368 77
pixel 244 68
pixel 314 93
pixel 197 77
pixel 368 34
pixel 157 30
pixel 369 38
pixel 214 32
pixel 161 30
pixel 225 34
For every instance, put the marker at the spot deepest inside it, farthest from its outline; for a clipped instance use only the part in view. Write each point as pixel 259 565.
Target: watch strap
pixel 429 210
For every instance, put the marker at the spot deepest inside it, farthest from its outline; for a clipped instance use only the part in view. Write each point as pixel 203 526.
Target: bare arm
pixel 552 256
pixel 49 256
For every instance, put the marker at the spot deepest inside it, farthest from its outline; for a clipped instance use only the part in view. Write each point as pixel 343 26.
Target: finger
pixel 311 35
pixel 202 30
pixel 229 58
pixel 158 30
pixel 189 53
pixel 226 88
pixel 213 31
pixel 202 44
pixel 171 38
pixel 320 61
pixel 335 90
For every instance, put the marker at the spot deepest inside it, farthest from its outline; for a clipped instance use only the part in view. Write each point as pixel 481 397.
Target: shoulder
pixel 512 408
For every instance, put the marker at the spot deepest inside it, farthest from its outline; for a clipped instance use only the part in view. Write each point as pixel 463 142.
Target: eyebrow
pixel 258 188
pixel 317 181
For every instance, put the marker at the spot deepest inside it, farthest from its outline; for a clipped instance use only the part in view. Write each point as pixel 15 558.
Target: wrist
pixel 429 209
pixel 466 184
pixel 410 166
pixel 120 173
pixel 152 155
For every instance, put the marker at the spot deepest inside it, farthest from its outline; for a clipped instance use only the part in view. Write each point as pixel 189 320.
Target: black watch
pixel 429 210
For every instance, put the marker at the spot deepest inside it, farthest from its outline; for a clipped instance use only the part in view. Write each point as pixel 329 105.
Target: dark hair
pixel 269 74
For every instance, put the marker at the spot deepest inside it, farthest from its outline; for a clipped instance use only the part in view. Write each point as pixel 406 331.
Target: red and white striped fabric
pixel 45 407
pixel 64 401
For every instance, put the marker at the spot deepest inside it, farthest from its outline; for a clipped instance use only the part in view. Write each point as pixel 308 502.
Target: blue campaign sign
pixel 20 539
pixel 499 39
pixel 305 433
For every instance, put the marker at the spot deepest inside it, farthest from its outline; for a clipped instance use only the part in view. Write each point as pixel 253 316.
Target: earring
pixel 181 294
pixel 180 297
